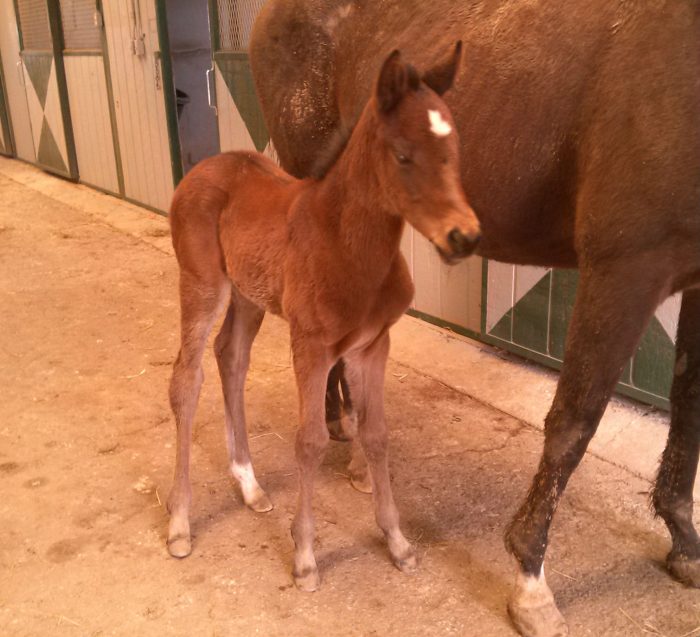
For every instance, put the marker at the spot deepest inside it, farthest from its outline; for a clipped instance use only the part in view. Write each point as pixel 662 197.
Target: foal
pixel 324 254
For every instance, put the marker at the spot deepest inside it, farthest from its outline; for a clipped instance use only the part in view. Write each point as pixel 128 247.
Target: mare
pixel 579 126
pixel 324 254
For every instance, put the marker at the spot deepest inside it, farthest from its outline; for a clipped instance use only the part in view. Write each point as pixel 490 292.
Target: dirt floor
pixel 88 332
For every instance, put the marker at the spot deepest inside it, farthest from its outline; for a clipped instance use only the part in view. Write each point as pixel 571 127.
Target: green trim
pixel 484 291
pixel 548 361
pixel 453 327
pixel 27 53
pixel 81 52
pixel 140 204
pixel 5 118
pixel 214 25
pixel 57 38
pixel 231 55
pixel 214 39
pixel 19 26
pixel 110 99
pixel 169 92
pixel 101 189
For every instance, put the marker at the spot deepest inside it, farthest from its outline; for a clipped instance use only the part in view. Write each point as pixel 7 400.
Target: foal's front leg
pixel 311 365
pixel 365 374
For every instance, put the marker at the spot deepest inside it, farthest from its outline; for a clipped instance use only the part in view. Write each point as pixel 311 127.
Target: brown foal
pixel 324 254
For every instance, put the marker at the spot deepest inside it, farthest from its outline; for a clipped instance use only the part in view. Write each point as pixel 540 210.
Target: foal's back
pixel 229 219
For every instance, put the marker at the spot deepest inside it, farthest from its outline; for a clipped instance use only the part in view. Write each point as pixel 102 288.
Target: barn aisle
pixel 88 333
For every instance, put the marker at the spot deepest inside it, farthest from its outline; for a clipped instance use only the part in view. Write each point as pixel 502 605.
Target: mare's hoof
pixel 335 431
pixel 307 580
pixel 261 504
pixel 362 482
pixel 408 562
pixel 538 621
pixel 179 546
pixel 684 569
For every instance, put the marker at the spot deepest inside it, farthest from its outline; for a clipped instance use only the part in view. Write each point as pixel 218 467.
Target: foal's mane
pixel 341 136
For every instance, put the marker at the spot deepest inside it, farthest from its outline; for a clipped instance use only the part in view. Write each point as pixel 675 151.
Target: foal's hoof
pixel 261 504
pixel 179 546
pixel 335 431
pixel 307 580
pixel 684 569
pixel 406 563
pixel 361 481
pixel 538 621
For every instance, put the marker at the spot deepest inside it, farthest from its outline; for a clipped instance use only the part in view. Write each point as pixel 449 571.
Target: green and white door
pixel 528 310
pixel 143 99
pixel 88 93
pixel 232 92
pixel 13 80
pixel 44 85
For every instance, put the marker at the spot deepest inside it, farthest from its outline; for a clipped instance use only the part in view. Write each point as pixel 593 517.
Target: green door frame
pixel 169 92
pixel 5 118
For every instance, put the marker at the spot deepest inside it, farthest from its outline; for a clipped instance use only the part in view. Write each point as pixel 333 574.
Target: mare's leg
pixel 613 305
pixel 334 404
pixel 341 419
pixel 311 366
pixel 232 347
pixel 365 374
pixel 200 300
pixel 673 493
pixel 340 414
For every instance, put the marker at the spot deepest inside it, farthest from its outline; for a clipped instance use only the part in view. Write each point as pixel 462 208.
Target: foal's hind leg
pixel 232 347
pixel 365 374
pixel 610 313
pixel 200 301
pixel 673 493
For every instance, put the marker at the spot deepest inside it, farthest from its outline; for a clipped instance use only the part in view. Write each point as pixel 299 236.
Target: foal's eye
pixel 403 159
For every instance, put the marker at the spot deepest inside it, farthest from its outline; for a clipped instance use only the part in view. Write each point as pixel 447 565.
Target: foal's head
pixel 418 140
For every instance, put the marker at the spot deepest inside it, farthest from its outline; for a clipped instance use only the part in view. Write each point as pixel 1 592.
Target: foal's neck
pixel 368 225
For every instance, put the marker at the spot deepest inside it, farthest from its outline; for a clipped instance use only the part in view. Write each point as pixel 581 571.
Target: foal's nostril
pixel 462 244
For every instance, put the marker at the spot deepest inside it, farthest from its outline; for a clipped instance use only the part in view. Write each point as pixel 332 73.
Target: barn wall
pixel 139 104
pixel 92 128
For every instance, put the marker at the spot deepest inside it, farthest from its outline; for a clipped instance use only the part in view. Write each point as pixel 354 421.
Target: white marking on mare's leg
pixel 253 495
pixel 532 607
pixel 438 126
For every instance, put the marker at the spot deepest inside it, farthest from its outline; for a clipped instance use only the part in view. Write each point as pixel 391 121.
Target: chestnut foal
pixel 323 254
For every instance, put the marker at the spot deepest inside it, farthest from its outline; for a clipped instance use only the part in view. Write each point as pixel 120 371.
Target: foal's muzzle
pixel 459 246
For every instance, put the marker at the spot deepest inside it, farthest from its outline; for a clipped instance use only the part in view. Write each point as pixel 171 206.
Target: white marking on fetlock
pixel 531 591
pixel 438 125
pixel 532 608
pixel 305 573
pixel 245 476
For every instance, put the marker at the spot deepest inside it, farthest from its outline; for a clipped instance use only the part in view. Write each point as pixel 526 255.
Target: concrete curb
pixel 631 436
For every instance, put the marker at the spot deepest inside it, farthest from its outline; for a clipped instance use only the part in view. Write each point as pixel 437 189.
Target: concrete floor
pixel 89 318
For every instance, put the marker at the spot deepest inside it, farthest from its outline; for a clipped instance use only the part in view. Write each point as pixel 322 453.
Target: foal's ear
pixel 393 82
pixel 442 75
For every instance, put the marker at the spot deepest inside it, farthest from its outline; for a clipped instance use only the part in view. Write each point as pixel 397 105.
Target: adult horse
pixel 579 124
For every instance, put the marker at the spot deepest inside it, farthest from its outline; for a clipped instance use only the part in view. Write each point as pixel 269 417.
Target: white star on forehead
pixel 438 125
